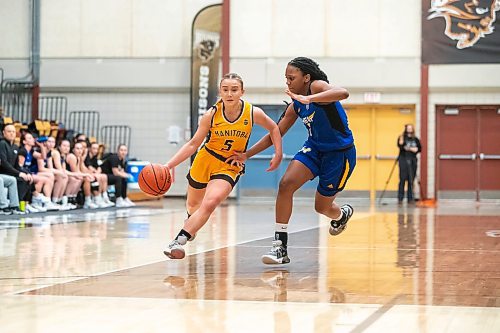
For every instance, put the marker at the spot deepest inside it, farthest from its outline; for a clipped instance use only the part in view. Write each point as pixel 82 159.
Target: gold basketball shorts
pixel 209 165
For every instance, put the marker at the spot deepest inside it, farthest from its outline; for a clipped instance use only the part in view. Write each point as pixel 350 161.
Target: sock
pixel 184 233
pixel 340 217
pixel 281 233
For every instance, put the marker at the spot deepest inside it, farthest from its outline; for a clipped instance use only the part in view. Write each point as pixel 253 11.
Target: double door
pixel 468 152
pixel 376 129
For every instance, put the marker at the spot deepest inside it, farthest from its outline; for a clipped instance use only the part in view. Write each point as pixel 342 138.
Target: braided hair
pixel 309 66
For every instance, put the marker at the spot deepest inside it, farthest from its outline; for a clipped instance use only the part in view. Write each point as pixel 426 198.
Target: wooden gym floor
pixel 394 269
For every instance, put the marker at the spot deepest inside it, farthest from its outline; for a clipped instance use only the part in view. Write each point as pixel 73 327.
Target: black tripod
pixel 388 179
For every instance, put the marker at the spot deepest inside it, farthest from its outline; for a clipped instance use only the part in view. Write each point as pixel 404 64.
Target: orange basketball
pixel 155 179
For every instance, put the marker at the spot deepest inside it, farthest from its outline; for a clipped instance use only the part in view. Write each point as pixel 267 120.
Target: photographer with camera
pixel 409 147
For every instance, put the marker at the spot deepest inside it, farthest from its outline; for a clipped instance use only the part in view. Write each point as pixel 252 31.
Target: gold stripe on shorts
pixel 344 176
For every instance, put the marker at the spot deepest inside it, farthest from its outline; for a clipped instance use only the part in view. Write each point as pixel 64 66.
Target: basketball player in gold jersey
pixel 226 127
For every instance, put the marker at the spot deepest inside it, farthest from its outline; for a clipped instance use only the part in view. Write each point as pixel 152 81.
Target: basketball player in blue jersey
pixel 328 152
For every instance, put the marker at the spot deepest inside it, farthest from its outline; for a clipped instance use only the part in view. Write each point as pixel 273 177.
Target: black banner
pixel 460 31
pixel 205 61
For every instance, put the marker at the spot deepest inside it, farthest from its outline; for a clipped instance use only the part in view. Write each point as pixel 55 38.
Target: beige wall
pixel 259 28
pixel 118 28
pixel 14 29
pixel 129 59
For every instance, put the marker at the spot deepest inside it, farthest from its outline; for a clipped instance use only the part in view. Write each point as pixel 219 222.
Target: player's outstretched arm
pixel 265 142
pixel 321 92
pixel 190 147
pixel 263 120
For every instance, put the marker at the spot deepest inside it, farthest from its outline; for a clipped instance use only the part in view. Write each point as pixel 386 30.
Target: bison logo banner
pixel 205 60
pixel 460 31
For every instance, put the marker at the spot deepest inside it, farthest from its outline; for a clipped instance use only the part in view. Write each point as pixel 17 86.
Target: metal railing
pixel 17 99
pixel 113 135
pixel 86 122
pixel 53 108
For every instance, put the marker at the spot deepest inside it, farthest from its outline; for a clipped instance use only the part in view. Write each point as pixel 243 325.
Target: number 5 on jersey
pixel 228 145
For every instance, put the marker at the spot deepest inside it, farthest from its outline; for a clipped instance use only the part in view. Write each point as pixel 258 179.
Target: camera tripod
pixel 388 179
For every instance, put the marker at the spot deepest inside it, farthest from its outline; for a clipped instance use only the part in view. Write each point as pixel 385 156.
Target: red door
pixel 456 152
pixel 489 153
pixel 468 152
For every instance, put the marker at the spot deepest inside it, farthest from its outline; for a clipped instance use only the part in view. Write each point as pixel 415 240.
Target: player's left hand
pixel 300 98
pixel 237 159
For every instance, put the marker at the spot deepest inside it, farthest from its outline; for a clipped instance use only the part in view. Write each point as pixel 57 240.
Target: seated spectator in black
pixel 92 165
pixel 9 162
pixel 61 179
pixel 90 188
pixel 74 162
pixel 75 181
pixel 114 167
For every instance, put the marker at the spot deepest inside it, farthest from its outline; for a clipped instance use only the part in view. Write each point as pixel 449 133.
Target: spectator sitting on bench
pixel 9 164
pixel 62 181
pixel 28 157
pixel 75 162
pixel 75 179
pixel 92 165
pixel 114 167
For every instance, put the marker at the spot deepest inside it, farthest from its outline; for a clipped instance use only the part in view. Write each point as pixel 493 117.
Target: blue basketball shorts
pixel 333 168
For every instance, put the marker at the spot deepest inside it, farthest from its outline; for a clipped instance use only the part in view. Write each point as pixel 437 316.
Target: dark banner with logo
pixel 205 61
pixel 460 31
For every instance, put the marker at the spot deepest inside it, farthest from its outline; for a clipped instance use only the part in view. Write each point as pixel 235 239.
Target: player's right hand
pixel 301 98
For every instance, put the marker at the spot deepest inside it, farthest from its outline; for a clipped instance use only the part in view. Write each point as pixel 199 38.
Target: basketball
pixel 155 179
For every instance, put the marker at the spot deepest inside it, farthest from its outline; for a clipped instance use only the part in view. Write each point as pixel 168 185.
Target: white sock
pixel 281 227
pixel 340 216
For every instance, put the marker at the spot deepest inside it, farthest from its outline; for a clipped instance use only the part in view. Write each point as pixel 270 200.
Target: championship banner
pixel 460 31
pixel 205 60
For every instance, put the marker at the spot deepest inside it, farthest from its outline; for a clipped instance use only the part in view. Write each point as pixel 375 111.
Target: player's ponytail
pixel 309 66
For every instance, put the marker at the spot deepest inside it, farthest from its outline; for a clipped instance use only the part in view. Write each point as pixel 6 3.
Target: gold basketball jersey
pixel 226 137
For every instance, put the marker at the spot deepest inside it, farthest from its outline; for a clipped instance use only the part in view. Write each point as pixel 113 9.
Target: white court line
pixel 377 248
pixel 189 300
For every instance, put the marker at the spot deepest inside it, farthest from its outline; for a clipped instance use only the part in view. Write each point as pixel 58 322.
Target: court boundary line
pixel 375 316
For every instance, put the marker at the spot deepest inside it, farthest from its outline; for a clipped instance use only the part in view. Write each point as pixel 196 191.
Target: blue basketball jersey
pixel 326 125
pixel 30 162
